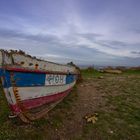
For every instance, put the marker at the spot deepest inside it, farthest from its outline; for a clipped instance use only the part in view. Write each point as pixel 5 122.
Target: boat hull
pixel 28 88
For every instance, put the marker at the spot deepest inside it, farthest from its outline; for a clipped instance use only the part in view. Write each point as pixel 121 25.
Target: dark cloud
pixel 67 46
pixel 90 36
pixel 116 43
pixel 135 30
pixel 49 44
pixel 17 34
pixel 135 52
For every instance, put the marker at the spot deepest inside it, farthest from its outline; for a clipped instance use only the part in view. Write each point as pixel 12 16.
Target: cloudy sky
pixel 100 32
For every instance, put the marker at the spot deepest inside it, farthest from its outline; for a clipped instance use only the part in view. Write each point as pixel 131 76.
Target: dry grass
pixel 116 99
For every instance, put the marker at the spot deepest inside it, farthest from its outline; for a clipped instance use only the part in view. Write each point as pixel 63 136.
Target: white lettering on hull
pixel 52 79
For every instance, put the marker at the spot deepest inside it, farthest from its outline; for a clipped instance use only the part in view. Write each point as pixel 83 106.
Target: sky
pixel 87 32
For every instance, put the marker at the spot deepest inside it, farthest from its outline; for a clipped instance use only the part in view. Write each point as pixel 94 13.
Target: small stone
pixel 111 132
pixel 100 77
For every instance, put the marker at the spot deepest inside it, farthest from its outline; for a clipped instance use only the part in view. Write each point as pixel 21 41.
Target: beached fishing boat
pixel 32 86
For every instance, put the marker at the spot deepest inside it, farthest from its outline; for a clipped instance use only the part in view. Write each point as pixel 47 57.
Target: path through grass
pixel 117 104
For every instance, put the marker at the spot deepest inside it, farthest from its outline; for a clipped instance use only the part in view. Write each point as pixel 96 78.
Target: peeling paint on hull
pixel 30 83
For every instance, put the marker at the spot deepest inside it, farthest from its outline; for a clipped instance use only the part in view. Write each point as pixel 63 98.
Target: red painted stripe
pixel 15 108
pixel 32 103
pixel 36 71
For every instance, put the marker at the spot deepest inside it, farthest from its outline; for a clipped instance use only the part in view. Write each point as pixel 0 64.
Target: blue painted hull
pixel 30 84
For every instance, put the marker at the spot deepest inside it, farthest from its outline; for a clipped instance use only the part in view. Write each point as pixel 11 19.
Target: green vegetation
pixel 118 116
pixel 132 72
pixel 90 73
pixel 4 109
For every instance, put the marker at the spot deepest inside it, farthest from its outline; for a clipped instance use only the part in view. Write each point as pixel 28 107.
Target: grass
pixel 92 73
pixel 4 110
pixel 14 129
pixel 120 117
pixel 131 72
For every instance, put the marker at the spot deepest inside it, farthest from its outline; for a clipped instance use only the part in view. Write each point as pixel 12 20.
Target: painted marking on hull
pixel 23 79
pixel 36 92
pixel 32 82
pixel 32 103
pixel 52 79
pixel 21 69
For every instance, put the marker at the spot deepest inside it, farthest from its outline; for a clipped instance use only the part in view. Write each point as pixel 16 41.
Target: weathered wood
pixel 30 83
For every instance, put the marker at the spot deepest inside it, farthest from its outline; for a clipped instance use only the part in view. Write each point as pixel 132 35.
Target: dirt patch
pixel 115 98
pixel 87 103
pixel 110 97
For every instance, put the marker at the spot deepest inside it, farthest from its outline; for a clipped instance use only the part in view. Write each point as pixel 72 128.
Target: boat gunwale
pixel 16 69
pixel 17 52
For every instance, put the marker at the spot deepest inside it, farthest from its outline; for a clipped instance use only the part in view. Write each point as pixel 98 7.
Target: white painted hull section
pixel 42 65
pixel 32 86
pixel 26 93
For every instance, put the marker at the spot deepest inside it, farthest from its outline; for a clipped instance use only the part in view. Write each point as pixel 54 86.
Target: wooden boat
pixel 32 86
